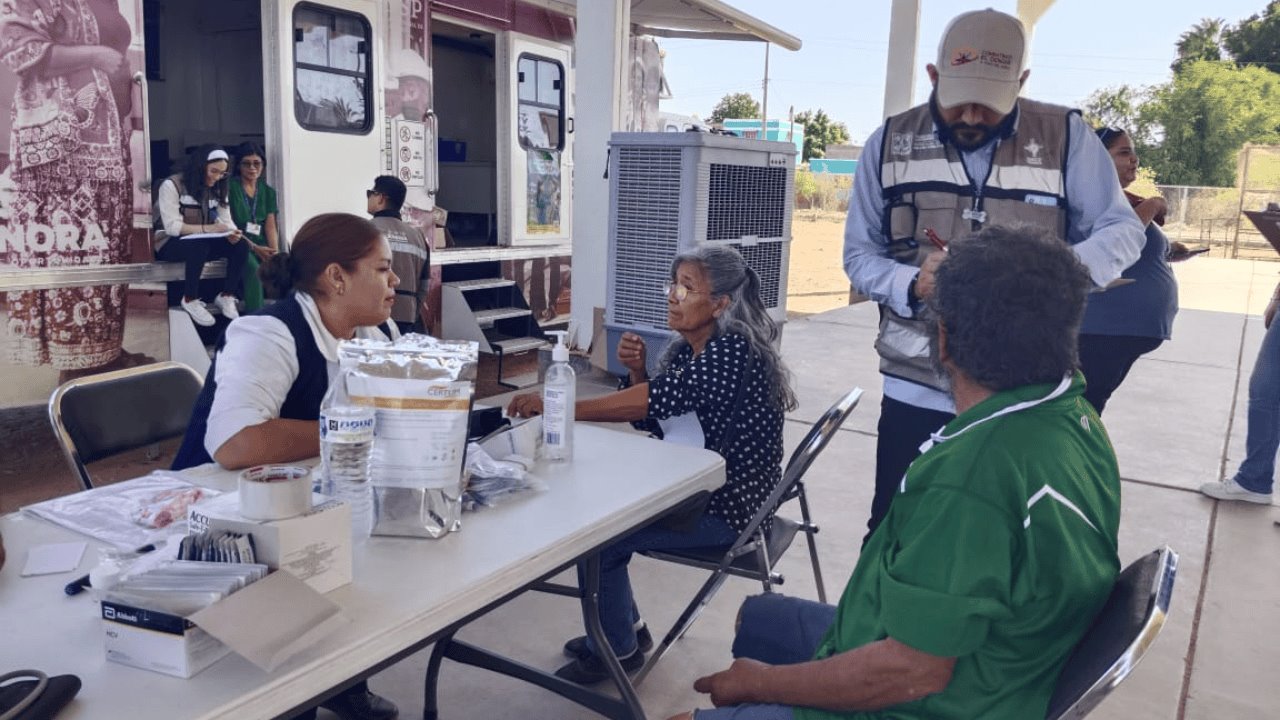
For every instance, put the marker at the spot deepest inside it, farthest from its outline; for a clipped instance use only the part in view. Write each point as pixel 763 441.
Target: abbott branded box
pixel 157 641
pixel 314 546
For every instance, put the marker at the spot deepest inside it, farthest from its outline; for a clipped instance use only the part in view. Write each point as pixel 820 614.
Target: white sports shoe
pixel 1229 489
pixel 197 311
pixel 227 305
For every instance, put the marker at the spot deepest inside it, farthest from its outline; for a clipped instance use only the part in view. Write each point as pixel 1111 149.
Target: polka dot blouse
pixel 708 385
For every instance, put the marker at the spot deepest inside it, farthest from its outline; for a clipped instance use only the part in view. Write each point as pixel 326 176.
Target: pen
pixel 933 238
pixel 77 586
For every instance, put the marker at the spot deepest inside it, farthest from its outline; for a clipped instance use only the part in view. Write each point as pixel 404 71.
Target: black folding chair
pixel 754 554
pixel 99 416
pixel 1119 637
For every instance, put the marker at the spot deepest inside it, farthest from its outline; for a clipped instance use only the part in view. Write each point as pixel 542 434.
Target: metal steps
pixel 486 318
pixel 479 284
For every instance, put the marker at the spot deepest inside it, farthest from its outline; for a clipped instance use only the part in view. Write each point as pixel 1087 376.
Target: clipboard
pixel 1268 223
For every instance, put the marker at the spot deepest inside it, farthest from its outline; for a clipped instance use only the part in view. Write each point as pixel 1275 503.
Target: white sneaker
pixel 1229 489
pixel 227 305
pixel 197 311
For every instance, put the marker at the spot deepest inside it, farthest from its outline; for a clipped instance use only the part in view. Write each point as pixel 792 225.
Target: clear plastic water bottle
pixel 346 449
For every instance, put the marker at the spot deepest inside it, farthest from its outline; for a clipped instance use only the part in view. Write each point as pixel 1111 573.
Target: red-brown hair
pixel 325 239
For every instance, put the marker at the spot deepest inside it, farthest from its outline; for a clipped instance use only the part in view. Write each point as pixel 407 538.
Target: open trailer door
pixel 535 132
pixel 325 129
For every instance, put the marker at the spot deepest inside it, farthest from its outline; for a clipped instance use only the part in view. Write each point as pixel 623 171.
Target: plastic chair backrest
pixel 1120 635
pixel 100 415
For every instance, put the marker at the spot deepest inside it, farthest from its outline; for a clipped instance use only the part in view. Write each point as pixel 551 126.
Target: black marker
pixel 77 586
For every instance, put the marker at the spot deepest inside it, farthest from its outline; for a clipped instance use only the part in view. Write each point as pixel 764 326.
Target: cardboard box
pixel 315 547
pixel 158 641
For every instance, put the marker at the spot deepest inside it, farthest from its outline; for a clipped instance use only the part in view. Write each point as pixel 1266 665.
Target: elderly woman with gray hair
pixel 721 385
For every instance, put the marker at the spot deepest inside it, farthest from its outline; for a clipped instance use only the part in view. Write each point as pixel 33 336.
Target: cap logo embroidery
pixel 1000 60
pixel 963 56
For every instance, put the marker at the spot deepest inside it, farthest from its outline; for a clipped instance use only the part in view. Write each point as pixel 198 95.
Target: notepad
pixel 53 558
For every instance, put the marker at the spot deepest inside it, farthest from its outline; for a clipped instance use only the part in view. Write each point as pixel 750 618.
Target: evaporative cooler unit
pixel 670 192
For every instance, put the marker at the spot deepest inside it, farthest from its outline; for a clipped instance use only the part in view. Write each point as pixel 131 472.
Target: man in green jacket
pixel 1000 546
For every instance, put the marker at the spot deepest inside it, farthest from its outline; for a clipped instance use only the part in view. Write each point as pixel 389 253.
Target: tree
pixel 819 132
pixel 1256 39
pixel 1202 42
pixel 1205 115
pixel 1119 107
pixel 735 105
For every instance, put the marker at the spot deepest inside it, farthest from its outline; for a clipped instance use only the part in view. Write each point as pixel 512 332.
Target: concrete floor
pixel 1177 422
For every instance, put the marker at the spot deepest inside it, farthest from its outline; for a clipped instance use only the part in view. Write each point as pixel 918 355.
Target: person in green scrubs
pixel 253 209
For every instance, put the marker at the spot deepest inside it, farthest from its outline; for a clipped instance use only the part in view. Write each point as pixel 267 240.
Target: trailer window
pixel 541 103
pixel 331 70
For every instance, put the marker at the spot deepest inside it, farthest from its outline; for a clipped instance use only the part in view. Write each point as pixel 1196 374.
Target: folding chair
pixel 754 554
pixel 98 416
pixel 1119 637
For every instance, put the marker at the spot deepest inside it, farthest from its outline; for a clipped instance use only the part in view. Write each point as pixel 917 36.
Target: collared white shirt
pixel 258 365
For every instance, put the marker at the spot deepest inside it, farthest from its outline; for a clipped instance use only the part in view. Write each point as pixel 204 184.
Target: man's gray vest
pixel 926 185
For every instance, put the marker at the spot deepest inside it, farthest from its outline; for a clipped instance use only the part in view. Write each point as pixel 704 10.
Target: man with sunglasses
pixel 975 155
pixel 410 253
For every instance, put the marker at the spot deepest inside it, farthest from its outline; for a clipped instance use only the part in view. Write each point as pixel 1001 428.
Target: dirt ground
pixel 815 280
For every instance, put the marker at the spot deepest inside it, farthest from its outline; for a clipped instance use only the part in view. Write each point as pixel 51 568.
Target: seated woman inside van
pixel 193 225
pixel 261 399
pixel 720 385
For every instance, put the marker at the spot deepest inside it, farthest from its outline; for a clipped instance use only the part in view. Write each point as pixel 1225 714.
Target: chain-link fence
pixel 1216 216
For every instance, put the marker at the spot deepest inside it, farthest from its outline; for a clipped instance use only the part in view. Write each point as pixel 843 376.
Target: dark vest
pixel 926 185
pixel 301 403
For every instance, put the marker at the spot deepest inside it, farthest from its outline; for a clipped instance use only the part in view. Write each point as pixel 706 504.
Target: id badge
pixel 253 228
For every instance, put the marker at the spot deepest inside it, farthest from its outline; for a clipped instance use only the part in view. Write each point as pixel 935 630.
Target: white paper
pixel 271 620
pixel 198 236
pixel 53 558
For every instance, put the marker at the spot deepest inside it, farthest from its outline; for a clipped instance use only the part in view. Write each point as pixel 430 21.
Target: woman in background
pixel 1128 321
pixel 253 209
pixel 194 225
pixel 69 160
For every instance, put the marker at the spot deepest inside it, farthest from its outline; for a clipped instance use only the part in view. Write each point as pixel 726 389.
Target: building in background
pixel 777 130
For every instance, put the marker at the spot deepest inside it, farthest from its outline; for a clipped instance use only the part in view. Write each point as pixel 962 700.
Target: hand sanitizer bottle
pixel 559 392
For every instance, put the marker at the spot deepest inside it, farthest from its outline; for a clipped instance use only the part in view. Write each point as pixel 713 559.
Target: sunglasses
pixel 371 193
pixel 1107 133
pixel 251 163
pixel 680 291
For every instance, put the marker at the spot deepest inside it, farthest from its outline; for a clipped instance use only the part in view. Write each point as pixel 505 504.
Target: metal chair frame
pixel 752 540
pixel 138 376
pixel 1071 703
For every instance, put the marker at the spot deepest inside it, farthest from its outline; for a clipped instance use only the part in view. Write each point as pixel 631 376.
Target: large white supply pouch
pixel 421 389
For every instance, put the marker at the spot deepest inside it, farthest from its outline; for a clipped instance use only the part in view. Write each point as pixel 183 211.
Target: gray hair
pixel 746 315
pixel 1011 299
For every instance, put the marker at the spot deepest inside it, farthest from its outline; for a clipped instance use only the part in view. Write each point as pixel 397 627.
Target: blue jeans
pixel 778 630
pixel 618 612
pixel 1257 472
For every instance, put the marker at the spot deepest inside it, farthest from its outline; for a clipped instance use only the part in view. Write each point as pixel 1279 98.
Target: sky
pixel 1079 46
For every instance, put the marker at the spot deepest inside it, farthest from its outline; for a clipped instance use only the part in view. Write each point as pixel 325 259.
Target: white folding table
pixel 406 593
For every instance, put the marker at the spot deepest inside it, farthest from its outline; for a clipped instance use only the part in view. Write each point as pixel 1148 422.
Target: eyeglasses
pixel 681 291
pixel 250 163
pixel 371 193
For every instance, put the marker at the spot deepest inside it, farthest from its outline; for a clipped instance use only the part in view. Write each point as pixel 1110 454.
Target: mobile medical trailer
pixel 473 103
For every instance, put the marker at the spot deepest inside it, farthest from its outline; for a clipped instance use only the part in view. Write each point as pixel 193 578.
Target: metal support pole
pixel 764 109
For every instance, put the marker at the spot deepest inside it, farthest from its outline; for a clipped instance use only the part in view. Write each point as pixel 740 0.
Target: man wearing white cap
pixel 973 156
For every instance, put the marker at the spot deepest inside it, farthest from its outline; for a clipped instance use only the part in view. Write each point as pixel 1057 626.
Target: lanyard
pixel 253 209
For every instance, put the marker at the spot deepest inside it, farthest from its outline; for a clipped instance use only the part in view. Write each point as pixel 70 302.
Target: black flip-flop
pixel 31 695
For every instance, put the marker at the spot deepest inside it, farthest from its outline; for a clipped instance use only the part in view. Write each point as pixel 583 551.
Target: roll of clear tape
pixel 275 492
